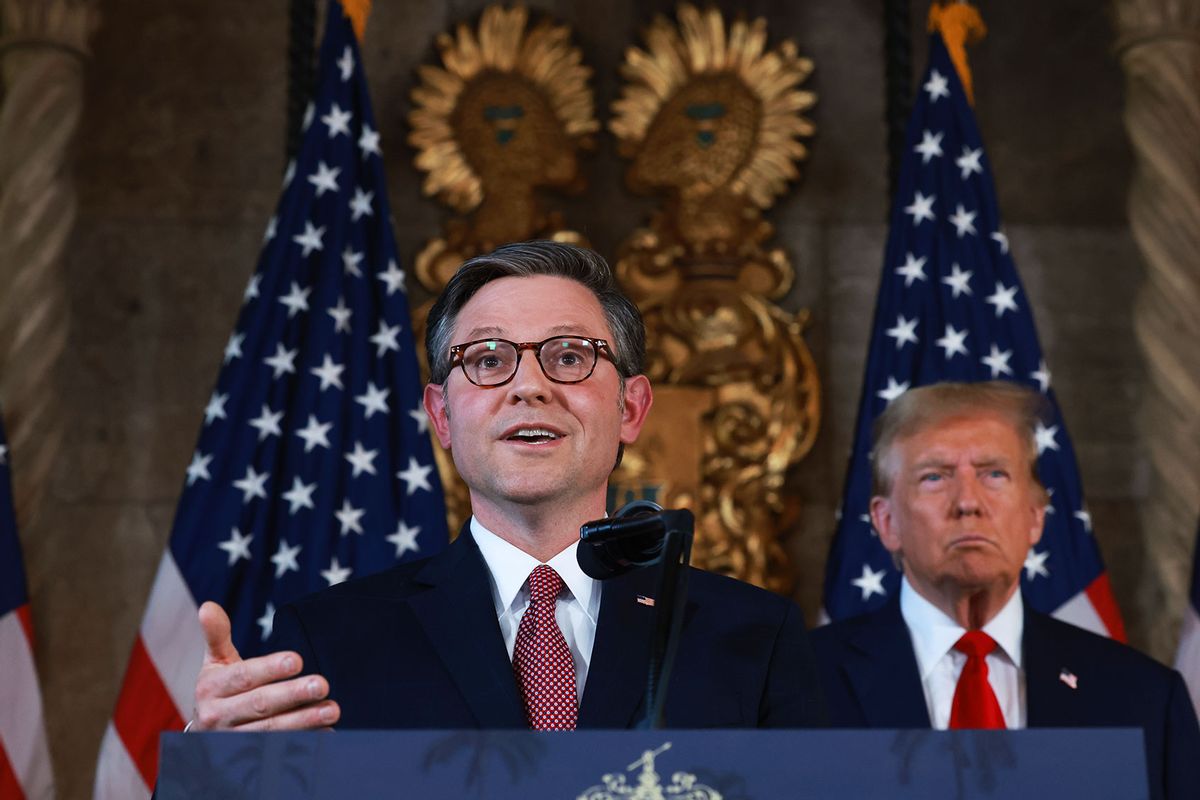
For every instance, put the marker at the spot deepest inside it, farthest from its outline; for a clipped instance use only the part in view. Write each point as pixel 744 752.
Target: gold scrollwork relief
pixel 710 119
pixel 503 117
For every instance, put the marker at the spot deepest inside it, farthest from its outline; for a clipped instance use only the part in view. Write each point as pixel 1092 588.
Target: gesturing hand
pixel 253 694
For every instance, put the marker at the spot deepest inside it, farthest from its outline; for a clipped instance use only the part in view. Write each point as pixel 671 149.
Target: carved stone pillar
pixel 43 44
pixel 1159 47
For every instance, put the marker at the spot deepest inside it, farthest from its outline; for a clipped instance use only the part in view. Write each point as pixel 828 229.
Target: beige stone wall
pixel 179 160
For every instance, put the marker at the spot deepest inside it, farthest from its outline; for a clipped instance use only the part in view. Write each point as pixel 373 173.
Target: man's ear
pixel 638 399
pixel 435 407
pixel 881 519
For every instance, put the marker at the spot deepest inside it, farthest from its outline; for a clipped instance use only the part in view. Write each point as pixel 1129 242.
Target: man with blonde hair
pixel 958 503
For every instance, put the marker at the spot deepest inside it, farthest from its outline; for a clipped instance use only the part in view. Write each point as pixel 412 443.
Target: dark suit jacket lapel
pixel 1049 701
pixel 882 672
pixel 459 617
pixel 616 682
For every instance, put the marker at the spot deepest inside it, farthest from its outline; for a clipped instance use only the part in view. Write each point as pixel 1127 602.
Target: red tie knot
pixel 544 584
pixel 976 644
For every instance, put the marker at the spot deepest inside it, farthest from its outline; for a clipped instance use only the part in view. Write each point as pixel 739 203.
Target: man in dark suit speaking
pixel 959 504
pixel 536 385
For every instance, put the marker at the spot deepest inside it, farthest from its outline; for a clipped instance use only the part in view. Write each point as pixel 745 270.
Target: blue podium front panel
pixel 1063 764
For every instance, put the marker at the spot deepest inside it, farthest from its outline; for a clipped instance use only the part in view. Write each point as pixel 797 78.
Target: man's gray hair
pixel 926 406
pixel 526 259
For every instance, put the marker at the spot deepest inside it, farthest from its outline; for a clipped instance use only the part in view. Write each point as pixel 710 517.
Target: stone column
pixel 1159 48
pixel 43 44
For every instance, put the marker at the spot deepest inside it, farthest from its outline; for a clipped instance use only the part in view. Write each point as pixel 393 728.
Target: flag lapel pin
pixel 644 600
pixel 1069 678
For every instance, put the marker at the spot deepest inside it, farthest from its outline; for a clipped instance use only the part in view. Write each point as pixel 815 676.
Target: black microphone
pixel 631 538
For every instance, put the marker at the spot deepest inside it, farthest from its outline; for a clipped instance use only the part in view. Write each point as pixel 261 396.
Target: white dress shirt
pixel 939 664
pixel 576 611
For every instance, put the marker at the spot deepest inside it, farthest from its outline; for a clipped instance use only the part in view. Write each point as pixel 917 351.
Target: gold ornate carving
pixel 648 784
pixel 503 117
pixel 710 119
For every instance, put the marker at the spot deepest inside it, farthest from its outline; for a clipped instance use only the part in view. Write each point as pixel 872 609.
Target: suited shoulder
pixel 1119 660
pixel 736 595
pixel 391 583
pixel 832 636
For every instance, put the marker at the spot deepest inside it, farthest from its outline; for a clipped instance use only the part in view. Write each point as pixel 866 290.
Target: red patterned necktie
pixel 541 659
pixel 975 704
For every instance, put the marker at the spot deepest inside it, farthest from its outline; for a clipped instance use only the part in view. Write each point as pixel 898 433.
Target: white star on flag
pixel 267 621
pixel 959 281
pixel 350 518
pixel 362 460
pixel 415 476
pixel 337 121
pixel 368 143
pixel 252 287
pixel 393 276
pixel 215 408
pixel 300 495
pixel 374 400
pixel 1035 564
pixel 237 546
pixel 385 339
pixel 968 162
pixel 997 362
pixel 360 205
pixel 267 423
pixel 930 146
pixel 936 86
pixel 341 317
pixel 284 361
pixel 325 179
pixel 253 485
pixel 296 300
pixel 350 262
pixel 953 342
pixel 336 573
pixel 196 471
pixel 405 539
pixel 904 331
pixel 314 434
pixel 963 221
pixel 233 349
pixel 422 419
pixel 329 373
pixel 893 389
pixel 1045 438
pixel 346 64
pixel 310 240
pixel 913 269
pixel 285 558
pixel 1042 376
pixel 921 208
pixel 1083 516
pixel 1003 299
pixel 870 582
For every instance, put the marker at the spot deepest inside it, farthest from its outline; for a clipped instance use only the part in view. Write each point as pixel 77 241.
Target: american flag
pixel 1187 660
pixel 951 307
pixel 24 758
pixel 314 463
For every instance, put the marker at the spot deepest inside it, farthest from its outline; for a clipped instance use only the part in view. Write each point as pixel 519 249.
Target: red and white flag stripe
pixel 1094 609
pixel 156 695
pixel 25 770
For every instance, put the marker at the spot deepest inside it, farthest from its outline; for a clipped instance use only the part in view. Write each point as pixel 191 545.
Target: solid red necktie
pixel 975 704
pixel 541 659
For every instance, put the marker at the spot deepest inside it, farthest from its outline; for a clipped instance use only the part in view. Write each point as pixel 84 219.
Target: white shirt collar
pixel 934 633
pixel 509 567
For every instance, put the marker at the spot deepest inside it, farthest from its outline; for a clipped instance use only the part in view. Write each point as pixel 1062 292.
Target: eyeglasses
pixel 494 362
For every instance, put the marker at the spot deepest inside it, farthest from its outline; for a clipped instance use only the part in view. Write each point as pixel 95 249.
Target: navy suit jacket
pixel 419 646
pixel 869 672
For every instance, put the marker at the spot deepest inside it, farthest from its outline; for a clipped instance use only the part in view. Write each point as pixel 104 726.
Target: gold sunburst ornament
pixel 711 120
pixel 503 116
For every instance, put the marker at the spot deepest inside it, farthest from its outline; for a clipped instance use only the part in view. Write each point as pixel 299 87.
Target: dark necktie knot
pixel 975 644
pixel 545 585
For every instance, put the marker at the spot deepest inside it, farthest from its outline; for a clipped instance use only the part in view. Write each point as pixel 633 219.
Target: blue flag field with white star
pixel 314 463
pixel 951 307
pixel 24 756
